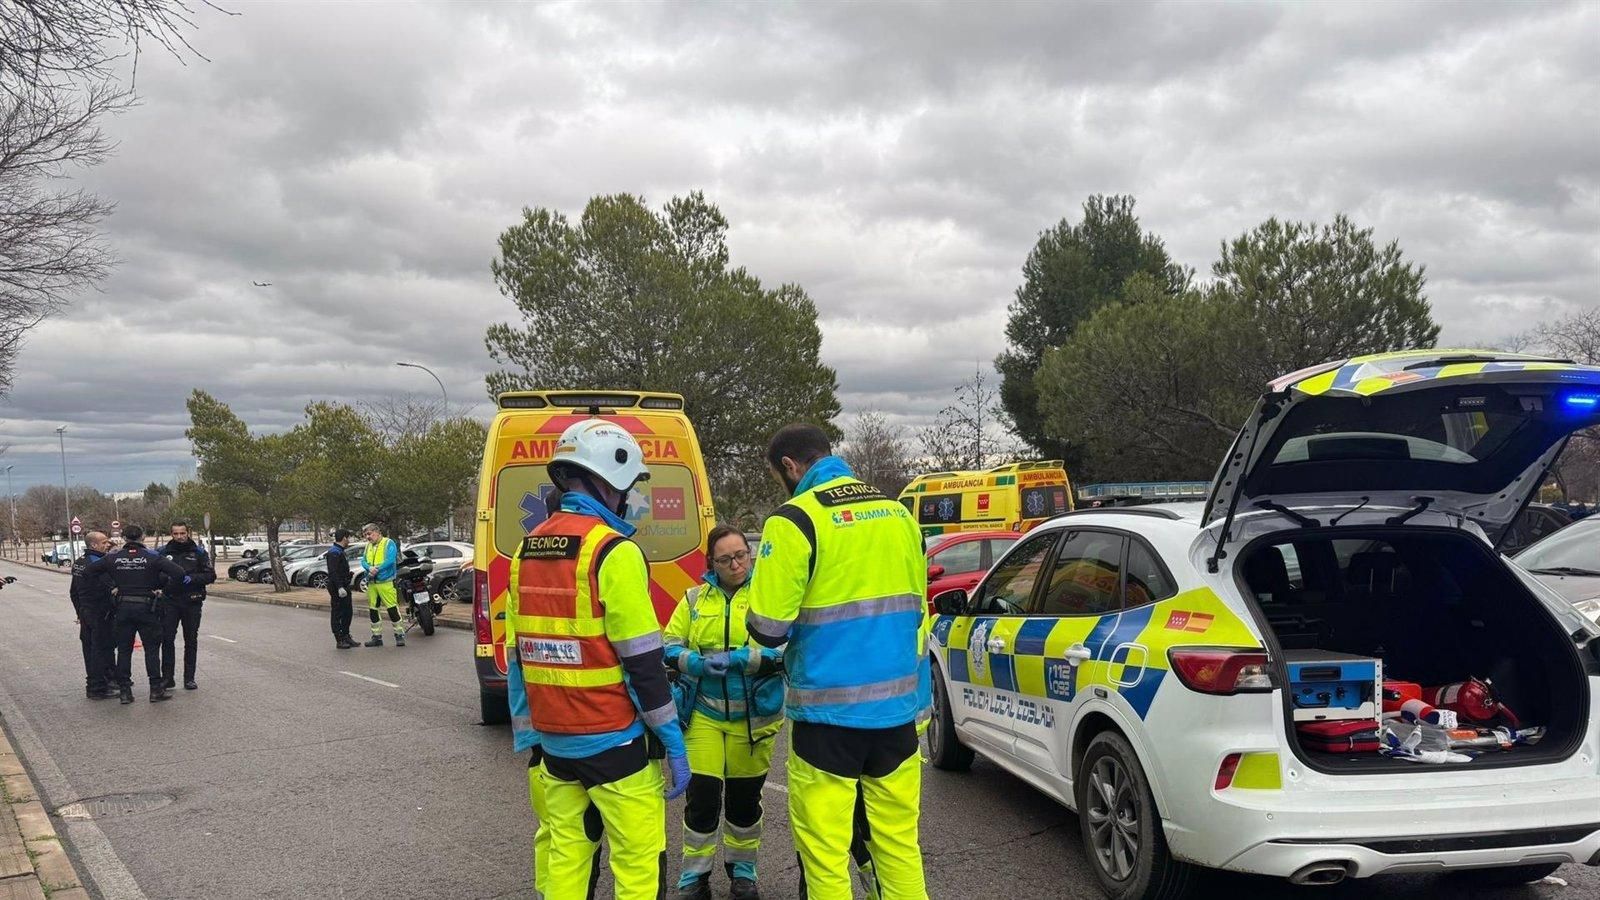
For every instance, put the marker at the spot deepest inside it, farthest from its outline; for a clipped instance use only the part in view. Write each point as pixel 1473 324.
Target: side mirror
pixel 950 603
pixel 935 571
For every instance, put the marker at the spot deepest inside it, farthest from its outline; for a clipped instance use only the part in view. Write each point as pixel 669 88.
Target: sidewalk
pixel 455 615
pixel 33 864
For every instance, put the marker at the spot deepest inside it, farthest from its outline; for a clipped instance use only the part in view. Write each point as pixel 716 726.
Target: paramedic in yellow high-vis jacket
pixel 841 576
pixel 733 695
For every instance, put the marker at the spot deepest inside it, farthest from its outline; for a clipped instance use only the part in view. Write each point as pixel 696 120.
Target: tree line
pixel 1117 361
pixel 394 464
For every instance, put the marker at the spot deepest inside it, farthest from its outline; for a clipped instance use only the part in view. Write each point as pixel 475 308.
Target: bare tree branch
pixel 57 82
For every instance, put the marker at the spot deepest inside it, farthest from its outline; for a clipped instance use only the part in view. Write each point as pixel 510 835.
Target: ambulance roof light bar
pixel 593 401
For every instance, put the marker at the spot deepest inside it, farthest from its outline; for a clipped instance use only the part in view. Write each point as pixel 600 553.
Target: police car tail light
pixel 1222 671
pixel 1230 765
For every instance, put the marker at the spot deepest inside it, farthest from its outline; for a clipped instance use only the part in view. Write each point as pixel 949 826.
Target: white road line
pixel 774 786
pixel 221 638
pixel 95 852
pixel 365 678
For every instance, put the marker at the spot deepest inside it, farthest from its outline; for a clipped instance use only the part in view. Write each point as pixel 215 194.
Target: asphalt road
pixel 301 771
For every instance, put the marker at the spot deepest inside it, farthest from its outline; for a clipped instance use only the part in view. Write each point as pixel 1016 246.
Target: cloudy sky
pixel 896 160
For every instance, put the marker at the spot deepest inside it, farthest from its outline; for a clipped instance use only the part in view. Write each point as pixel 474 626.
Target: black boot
pixel 743 889
pixel 399 640
pixel 377 641
pixel 699 889
pixel 190 685
pixel 169 684
pixel 126 694
pixel 158 693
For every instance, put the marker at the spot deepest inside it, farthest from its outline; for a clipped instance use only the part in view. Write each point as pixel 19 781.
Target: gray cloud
pixel 896 160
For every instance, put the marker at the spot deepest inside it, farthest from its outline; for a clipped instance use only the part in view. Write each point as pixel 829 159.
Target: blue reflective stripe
pixel 1032 635
pixel 825 662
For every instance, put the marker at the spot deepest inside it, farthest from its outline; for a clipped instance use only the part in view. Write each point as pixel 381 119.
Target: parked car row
pixel 306 565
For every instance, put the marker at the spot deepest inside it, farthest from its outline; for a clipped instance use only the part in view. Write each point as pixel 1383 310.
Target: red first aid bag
pixel 1340 735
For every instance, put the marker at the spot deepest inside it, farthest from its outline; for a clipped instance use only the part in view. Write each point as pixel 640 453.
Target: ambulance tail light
pixel 1222 671
pixel 1230 765
pixel 480 606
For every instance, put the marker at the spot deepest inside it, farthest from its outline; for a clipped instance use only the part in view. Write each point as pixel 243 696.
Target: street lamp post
pixel 451 526
pixel 66 494
pixel 11 495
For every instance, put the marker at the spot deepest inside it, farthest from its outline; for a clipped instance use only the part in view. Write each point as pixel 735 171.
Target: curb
pixel 33 862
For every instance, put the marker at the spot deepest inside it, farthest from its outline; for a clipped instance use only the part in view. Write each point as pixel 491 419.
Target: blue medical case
pixel 1326 685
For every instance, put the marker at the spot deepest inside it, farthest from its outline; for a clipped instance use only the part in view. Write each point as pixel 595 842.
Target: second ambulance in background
pixel 1014 497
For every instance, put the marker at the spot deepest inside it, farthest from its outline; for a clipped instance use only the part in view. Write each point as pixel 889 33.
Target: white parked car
pixel 1133 663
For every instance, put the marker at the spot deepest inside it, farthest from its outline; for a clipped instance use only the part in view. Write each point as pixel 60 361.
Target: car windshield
pixel 1574 550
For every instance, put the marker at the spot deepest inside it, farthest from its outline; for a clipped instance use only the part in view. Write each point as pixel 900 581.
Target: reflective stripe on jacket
pixel 570 669
pixel 842 576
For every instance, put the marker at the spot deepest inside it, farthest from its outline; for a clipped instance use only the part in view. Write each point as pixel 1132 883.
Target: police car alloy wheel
pixel 1121 828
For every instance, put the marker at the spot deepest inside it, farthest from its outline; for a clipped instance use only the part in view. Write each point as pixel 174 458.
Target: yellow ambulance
pixel 673 510
pixel 1012 497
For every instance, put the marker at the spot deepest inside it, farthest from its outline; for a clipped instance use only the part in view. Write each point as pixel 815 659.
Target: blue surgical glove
pixel 716 665
pixel 679 764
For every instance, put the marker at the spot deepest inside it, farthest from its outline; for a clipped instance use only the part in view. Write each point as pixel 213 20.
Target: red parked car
pixel 959 561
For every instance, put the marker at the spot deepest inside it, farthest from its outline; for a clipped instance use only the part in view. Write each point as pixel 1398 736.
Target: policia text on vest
pixel 841 576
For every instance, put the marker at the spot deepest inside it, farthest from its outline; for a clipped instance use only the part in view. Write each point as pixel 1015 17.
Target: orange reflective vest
pixel 571 672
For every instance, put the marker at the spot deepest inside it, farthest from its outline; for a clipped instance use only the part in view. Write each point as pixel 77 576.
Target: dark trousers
pixel 175 614
pixel 96 633
pixel 136 618
pixel 339 611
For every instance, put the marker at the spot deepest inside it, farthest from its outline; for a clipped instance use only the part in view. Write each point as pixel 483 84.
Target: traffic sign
pixel 208 521
pixel 77 521
pixel 116 526
pixel 77 528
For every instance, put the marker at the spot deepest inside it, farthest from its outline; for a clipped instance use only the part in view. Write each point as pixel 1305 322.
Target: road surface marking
pixel 774 786
pixel 365 678
pixel 221 638
pixel 105 868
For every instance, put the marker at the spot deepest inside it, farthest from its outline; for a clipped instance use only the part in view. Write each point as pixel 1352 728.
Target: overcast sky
pixel 897 161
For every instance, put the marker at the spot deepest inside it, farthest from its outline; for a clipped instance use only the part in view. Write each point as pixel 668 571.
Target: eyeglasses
pixel 731 558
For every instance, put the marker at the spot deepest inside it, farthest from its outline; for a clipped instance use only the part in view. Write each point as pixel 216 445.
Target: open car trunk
pixel 1436 607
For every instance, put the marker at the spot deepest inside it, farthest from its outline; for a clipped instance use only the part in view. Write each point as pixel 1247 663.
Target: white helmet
pixel 602 448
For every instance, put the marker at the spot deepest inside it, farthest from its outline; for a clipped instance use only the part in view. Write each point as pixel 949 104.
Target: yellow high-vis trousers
pixel 634 814
pixel 729 770
pixel 541 834
pixel 382 595
pixel 821 815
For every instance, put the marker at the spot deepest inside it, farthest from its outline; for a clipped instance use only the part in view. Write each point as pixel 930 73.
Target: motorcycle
pixel 411 583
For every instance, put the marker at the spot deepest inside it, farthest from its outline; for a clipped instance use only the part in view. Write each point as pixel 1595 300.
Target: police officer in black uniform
pixel 339 589
pixel 180 605
pixel 91 600
pixel 137 572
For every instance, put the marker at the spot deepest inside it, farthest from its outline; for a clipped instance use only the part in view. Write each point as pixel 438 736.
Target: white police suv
pixel 1157 668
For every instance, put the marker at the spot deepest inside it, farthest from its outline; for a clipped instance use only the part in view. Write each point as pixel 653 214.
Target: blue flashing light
pixel 1582 401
